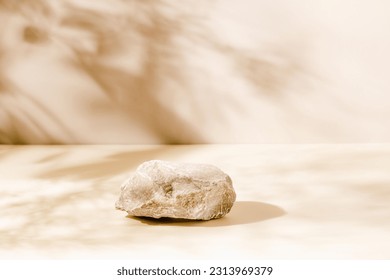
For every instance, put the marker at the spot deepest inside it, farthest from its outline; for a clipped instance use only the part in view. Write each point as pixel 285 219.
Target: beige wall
pixel 228 71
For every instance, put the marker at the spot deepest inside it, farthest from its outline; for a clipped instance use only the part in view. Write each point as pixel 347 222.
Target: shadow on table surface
pixel 84 162
pixel 243 212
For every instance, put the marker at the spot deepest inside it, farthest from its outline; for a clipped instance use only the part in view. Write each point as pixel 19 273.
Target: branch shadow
pixel 48 211
pixel 243 212
pixel 109 165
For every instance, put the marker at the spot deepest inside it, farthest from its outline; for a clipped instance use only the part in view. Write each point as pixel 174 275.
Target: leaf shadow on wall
pixel 134 94
pixel 154 90
pixel 243 212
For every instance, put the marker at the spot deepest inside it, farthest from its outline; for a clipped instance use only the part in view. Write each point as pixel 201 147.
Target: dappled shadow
pixel 65 194
pixel 7 151
pixel 56 204
pixel 20 120
pixel 145 30
pixel 108 165
pixel 243 212
pixel 134 60
pixel 85 162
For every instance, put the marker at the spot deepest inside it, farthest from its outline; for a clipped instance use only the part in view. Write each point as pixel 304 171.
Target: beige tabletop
pixel 293 202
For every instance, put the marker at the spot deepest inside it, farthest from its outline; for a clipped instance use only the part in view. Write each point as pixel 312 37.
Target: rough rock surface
pixel 177 190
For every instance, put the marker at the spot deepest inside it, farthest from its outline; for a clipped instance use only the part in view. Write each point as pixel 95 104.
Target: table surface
pixel 293 202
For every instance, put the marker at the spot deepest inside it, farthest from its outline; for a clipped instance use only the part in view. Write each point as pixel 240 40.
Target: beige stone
pixel 177 190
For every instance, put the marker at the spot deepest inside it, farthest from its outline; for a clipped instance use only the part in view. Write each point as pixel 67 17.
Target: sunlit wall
pixel 166 71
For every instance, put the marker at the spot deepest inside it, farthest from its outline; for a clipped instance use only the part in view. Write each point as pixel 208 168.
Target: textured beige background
pixel 294 202
pixel 166 71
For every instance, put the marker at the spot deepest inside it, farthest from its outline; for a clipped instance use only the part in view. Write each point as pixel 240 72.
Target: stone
pixel 177 190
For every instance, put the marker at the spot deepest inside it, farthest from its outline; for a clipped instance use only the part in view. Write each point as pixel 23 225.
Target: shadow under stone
pixel 243 212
